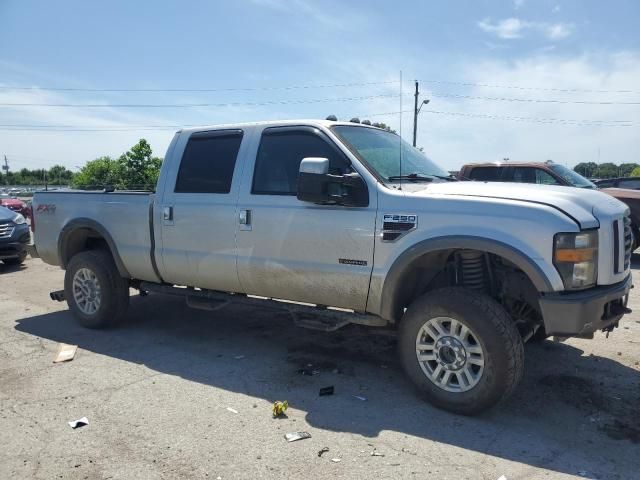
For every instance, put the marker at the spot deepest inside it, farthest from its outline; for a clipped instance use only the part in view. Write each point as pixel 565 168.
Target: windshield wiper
pixel 448 178
pixel 420 177
pixel 412 177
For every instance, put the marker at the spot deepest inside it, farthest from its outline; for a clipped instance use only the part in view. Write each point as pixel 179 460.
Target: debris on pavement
pixel 376 453
pixel 502 477
pixel 323 451
pixel 239 357
pixel 326 391
pixel 232 410
pixel 308 371
pixel 336 460
pixel 279 408
pixel 295 436
pixel 79 423
pixel 65 353
pixel 360 397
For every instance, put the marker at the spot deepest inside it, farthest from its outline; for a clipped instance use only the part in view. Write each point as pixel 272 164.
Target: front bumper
pixel 582 313
pixel 16 245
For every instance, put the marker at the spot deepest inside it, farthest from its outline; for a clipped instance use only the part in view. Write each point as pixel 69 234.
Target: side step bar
pixel 310 316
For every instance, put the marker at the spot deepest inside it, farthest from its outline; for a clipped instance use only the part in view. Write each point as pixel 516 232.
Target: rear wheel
pixel 96 294
pixel 461 349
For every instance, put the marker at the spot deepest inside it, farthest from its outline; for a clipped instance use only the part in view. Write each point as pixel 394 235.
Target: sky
pixel 520 79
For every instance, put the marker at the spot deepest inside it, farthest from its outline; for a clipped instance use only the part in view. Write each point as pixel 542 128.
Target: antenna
pixel 400 136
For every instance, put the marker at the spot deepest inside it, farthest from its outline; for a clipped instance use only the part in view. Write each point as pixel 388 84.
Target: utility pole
pixel 416 111
pixel 5 167
pixel 415 115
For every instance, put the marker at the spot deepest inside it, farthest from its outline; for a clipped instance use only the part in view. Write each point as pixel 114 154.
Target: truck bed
pixel 124 215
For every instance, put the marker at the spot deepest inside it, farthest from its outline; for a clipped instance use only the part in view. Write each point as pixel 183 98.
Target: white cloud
pixel 557 31
pixel 455 140
pixel 508 28
pixel 513 28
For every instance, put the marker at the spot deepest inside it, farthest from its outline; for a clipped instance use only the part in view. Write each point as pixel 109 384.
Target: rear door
pixel 294 250
pixel 198 211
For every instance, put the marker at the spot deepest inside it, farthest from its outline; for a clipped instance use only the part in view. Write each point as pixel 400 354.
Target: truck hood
pixel 6 214
pixel 584 206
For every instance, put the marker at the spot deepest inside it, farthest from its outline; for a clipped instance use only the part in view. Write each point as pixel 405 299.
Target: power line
pixel 231 89
pixel 531 100
pixel 515 87
pixel 127 128
pixel 597 123
pixel 190 105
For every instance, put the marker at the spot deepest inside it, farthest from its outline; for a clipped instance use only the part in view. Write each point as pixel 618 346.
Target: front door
pixel 295 250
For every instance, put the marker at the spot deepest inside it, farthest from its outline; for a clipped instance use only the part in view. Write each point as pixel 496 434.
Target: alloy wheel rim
pixel 86 291
pixel 449 354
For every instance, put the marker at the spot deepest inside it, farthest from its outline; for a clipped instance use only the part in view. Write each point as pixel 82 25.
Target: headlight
pixel 575 256
pixel 19 219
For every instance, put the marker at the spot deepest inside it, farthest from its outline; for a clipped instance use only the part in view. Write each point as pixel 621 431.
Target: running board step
pixel 314 317
pixel 323 320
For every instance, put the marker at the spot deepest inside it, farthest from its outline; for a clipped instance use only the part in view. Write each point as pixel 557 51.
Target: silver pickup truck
pixel 351 221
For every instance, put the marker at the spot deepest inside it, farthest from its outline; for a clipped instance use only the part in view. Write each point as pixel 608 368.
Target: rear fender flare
pixel 87 223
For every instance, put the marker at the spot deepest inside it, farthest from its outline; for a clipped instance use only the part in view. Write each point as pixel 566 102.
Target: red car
pixel 16 205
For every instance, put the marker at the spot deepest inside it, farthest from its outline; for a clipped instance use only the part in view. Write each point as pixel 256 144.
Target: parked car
pixel 256 213
pixel 632 183
pixel 16 205
pixel 14 237
pixel 550 173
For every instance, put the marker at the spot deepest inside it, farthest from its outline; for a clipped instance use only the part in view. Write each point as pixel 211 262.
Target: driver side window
pixel 280 154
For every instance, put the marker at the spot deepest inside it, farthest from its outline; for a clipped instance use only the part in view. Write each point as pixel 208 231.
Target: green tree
pixel 139 169
pixel 627 168
pixel 586 169
pixel 136 169
pixel 607 170
pixel 635 172
pixel 98 173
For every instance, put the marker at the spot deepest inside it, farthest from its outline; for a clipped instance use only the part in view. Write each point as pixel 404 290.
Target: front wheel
pixel 461 349
pixel 96 294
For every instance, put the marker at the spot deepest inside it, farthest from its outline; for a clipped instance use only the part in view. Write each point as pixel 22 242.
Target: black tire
pixel 15 261
pixel 114 290
pixel 496 333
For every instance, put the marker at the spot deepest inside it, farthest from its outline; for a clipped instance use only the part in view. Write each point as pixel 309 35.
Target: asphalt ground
pixel 181 393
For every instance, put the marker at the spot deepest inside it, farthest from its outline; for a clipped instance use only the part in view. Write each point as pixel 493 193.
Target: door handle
pixel 244 218
pixel 167 214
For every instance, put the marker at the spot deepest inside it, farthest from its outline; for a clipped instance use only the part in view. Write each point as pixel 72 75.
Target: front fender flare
pixel 389 309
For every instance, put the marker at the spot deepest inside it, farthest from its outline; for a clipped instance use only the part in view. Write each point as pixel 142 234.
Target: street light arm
pixel 425 102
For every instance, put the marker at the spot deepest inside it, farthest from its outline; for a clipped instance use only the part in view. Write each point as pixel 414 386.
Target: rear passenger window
pixel 524 175
pixel 279 157
pixel 208 162
pixel 485 174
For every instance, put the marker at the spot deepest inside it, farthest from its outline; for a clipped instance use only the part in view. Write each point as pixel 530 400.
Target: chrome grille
pixel 6 229
pixel 628 240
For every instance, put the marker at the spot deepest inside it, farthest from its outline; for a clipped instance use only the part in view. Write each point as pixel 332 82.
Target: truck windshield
pixel 381 151
pixel 574 178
